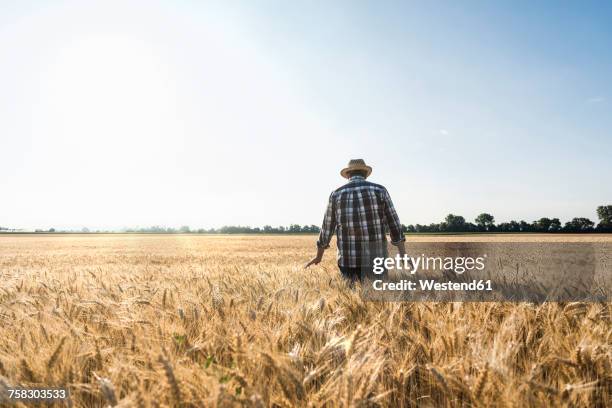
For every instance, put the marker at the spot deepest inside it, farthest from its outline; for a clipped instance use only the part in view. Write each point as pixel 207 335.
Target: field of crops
pixel 193 321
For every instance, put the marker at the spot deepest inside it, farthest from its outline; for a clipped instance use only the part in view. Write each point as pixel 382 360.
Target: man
pixel 358 212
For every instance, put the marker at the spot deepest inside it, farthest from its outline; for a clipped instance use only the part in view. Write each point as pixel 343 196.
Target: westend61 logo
pixel 459 264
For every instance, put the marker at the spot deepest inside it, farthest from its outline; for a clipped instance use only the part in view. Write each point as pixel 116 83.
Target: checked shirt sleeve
pixel 392 220
pixel 329 224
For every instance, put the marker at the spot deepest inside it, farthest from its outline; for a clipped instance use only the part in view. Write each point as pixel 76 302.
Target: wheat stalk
pixel 174 386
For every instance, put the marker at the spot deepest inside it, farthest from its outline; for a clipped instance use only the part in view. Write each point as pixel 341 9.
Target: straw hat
pixel 354 165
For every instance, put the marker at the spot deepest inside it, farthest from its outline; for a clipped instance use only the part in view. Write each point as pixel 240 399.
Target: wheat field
pixel 222 321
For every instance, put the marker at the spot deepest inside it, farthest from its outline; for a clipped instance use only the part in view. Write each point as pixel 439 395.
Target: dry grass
pixel 234 321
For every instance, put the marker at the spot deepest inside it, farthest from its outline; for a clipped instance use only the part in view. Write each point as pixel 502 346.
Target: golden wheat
pixel 198 321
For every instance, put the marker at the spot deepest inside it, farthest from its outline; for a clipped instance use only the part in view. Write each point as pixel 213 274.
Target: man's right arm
pixel 327 230
pixel 329 224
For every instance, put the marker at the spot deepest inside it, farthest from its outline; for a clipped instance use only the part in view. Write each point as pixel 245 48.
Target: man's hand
pixel 401 248
pixel 316 259
pixel 313 261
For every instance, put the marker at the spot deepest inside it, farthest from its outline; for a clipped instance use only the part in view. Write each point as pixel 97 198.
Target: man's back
pixel 358 212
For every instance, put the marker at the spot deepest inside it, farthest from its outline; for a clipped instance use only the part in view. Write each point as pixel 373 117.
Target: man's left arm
pixel 393 222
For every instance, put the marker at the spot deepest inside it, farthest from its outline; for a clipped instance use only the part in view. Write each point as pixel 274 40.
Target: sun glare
pixel 108 95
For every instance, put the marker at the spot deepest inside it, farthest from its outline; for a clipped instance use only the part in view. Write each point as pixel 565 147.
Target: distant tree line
pixel 41 230
pixel 486 223
pixel 231 229
pixel 452 223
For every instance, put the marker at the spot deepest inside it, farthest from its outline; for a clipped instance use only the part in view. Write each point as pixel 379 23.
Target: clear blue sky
pixel 122 113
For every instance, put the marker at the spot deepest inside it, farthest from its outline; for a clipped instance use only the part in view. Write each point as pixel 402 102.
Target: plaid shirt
pixel 358 212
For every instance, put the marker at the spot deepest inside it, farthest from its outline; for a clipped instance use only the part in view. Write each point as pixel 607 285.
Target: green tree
pixel 579 225
pixel 555 225
pixel 485 221
pixel 542 225
pixel 454 222
pixel 604 213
